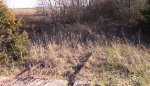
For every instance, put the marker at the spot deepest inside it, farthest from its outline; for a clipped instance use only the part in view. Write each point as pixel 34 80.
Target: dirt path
pixel 78 68
pixel 5 81
pixel 31 82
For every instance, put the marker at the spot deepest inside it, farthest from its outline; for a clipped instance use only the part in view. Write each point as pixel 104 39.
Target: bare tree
pixel 67 11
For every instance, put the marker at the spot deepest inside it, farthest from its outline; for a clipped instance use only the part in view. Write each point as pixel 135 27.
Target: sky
pixel 21 3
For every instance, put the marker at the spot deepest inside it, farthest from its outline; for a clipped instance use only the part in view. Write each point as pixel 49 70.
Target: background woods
pixel 92 10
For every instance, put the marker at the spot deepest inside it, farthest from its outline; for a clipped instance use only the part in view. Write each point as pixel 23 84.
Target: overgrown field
pixel 122 64
pixel 84 52
pixel 104 52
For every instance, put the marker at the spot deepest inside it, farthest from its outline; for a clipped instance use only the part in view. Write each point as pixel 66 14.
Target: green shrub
pixel 12 40
pixel 145 22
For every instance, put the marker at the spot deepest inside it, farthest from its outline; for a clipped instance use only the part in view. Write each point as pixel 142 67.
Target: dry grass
pixel 24 11
pixel 28 14
pixel 117 64
pixel 64 55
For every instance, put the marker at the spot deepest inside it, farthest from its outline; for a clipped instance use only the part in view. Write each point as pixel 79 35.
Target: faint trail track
pixel 78 68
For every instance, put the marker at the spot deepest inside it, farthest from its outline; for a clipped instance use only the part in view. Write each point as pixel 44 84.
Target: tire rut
pixel 78 68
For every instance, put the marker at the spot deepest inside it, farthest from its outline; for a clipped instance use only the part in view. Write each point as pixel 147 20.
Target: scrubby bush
pixel 114 11
pixel 12 40
pixel 145 22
